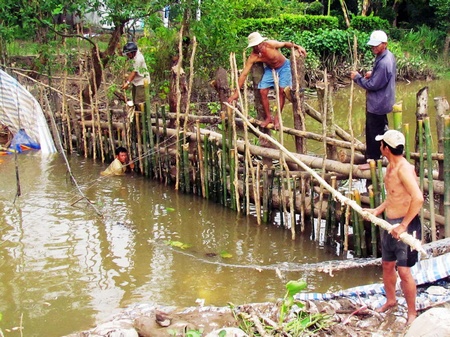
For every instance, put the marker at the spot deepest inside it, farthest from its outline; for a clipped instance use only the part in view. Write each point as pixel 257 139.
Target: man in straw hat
pixel 380 89
pixel 404 200
pixel 267 51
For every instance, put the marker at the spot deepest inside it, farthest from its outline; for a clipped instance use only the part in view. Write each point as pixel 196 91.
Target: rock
pixel 434 322
pixel 122 328
pixel 229 332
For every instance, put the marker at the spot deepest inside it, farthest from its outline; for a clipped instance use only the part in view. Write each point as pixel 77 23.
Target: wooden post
pixel 297 97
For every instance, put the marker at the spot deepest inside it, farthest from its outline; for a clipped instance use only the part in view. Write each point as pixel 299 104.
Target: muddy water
pixel 64 268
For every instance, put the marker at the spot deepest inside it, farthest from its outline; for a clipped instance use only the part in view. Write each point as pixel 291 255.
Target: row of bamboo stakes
pixel 223 169
pixel 212 166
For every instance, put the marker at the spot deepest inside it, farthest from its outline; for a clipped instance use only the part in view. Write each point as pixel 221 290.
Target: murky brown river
pixel 64 268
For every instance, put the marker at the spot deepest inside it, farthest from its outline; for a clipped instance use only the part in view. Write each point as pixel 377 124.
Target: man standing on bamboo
pixel 404 200
pixel 137 76
pixel 268 52
pixel 380 93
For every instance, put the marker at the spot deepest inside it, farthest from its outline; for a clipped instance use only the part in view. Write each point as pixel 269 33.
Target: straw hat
pixel 255 39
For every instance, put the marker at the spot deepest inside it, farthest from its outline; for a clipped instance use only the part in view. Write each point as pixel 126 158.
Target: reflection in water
pixel 65 268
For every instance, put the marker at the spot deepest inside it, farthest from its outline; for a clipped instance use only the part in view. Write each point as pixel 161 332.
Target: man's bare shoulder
pixel 406 169
pixel 273 44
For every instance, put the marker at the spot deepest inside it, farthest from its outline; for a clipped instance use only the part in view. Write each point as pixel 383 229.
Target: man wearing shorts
pixel 267 51
pixel 404 200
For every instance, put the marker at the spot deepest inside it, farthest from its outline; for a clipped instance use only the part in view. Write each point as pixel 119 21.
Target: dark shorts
pixel 394 250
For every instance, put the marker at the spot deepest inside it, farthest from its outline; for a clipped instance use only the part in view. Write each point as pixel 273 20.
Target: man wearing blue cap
pixel 380 93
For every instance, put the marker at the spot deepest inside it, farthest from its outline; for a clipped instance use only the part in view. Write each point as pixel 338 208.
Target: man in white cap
pixel 404 200
pixel 267 51
pixel 380 88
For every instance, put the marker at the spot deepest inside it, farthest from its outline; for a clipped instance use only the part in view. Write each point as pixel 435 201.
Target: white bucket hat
pixel 376 38
pixel 393 138
pixel 255 39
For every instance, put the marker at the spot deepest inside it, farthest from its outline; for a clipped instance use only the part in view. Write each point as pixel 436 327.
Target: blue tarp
pixel 426 271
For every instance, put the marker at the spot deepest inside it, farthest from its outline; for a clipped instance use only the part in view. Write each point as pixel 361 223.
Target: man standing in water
pixel 120 164
pixel 404 200
pixel 380 93
pixel 267 51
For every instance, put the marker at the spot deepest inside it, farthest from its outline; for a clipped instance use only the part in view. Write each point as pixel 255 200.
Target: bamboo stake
pixel 406 238
pixel 421 169
pixel 257 194
pixel 235 159
pixel 324 144
pixel 223 170
pixel 233 181
pixel 407 135
pixel 373 228
pixel 64 102
pixel 265 204
pixel 206 165
pixel 178 69
pixel 446 141
pixel 302 205
pixel 83 121
pixel 360 224
pixel 139 139
pixel 428 145
pixel 200 160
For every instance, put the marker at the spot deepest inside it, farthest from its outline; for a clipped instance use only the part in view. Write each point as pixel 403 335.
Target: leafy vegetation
pixel 417 42
pixel 293 319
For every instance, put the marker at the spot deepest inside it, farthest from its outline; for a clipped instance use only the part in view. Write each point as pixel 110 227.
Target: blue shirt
pixel 381 85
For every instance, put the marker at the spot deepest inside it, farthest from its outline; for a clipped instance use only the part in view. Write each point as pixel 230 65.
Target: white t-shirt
pixel 140 67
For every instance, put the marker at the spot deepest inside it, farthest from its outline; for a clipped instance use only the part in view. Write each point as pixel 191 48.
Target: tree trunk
pixel 99 61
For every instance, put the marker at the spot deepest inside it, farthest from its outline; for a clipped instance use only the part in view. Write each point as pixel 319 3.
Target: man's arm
pixel 241 80
pixel 278 44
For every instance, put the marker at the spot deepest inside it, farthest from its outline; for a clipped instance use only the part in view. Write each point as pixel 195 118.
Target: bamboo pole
pixel 324 144
pixel 428 145
pixel 360 224
pixel 206 165
pixel 200 160
pixel 407 135
pixel 397 116
pixel 178 92
pixel 235 168
pixel 406 238
pixel 446 144
pixel 302 205
pixel 373 228
pixel 419 134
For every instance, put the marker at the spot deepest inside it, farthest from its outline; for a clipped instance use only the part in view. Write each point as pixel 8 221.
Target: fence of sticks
pixel 228 160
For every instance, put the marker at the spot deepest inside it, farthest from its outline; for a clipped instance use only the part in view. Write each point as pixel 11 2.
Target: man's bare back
pixel 269 53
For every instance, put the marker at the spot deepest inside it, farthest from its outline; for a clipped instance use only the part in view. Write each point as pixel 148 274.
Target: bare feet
pixel 411 318
pixel 276 124
pixel 364 167
pixel 385 307
pixel 266 122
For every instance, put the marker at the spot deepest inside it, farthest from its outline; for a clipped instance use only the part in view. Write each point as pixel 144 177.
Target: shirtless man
pixel 403 202
pixel 267 51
